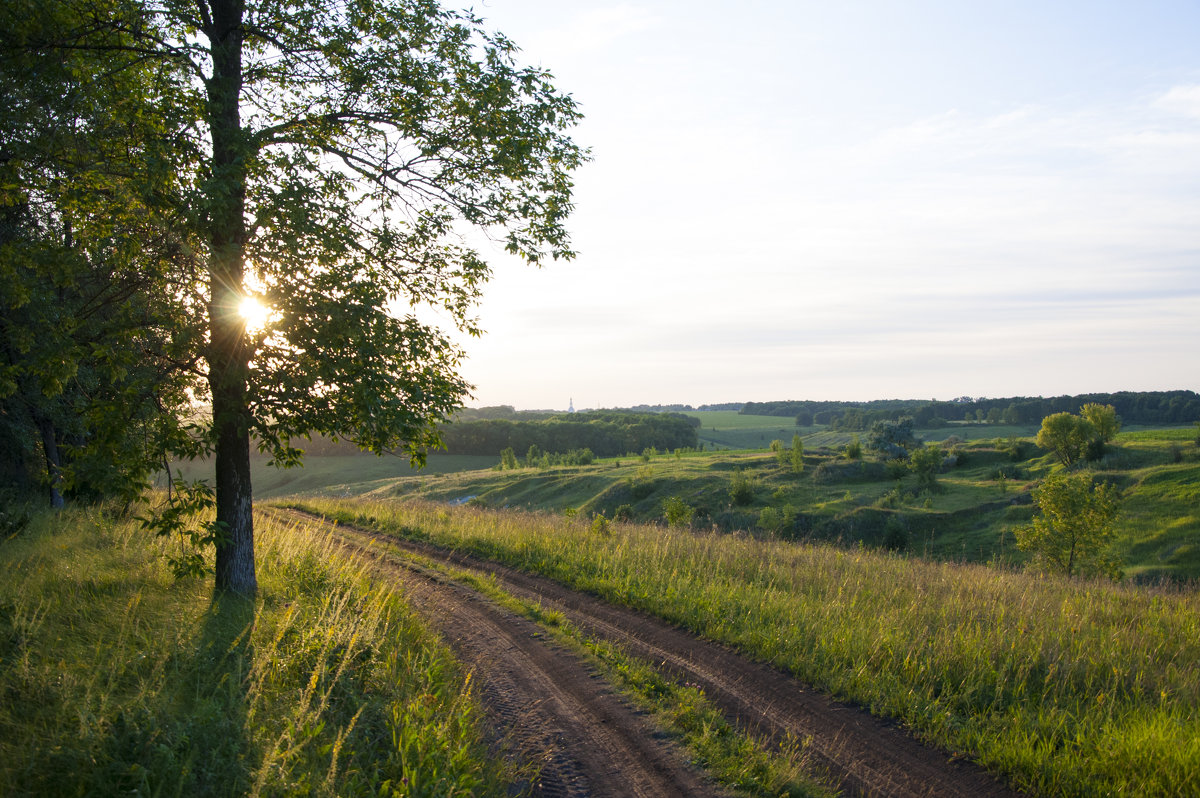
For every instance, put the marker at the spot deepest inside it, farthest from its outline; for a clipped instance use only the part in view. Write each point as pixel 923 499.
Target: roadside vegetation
pixel 1064 687
pixel 118 680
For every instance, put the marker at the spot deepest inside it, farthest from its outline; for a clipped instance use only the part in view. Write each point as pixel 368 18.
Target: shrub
pixel 925 462
pixel 678 512
pixel 895 535
pixel 896 468
pixel 777 520
pixel 508 459
pixel 741 488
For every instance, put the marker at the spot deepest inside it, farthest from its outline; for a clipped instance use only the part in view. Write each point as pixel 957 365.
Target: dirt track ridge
pixel 862 754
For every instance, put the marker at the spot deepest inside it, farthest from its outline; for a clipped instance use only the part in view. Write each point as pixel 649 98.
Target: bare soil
pixel 552 710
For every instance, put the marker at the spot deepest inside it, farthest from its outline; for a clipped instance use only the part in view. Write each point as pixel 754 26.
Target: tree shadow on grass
pixel 193 739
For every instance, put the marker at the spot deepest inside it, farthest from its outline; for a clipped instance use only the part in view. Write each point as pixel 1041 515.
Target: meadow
pixel 967 515
pixel 117 680
pixel 329 473
pixel 1062 687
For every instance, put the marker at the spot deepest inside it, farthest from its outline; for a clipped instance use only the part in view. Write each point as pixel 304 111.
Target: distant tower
pixel 571 405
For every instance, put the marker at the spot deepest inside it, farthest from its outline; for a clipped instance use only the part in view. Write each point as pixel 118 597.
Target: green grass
pixel 335 473
pixel 1064 688
pixel 115 680
pixel 729 429
pixel 967 516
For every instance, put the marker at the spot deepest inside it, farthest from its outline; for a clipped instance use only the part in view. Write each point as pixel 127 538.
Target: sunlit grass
pixel 1065 688
pixel 116 680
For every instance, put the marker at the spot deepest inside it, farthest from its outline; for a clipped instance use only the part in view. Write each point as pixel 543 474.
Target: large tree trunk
pixel 229 355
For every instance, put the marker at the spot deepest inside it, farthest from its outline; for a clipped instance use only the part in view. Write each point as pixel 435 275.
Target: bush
pixel 777 521
pixel 895 535
pixel 678 512
pixel 741 489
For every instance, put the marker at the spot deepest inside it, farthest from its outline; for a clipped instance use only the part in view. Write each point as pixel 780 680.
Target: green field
pixel 327 474
pixel 1062 687
pixel 968 515
pixel 115 679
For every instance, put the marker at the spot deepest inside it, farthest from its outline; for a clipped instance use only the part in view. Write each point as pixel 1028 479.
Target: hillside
pixel 967 515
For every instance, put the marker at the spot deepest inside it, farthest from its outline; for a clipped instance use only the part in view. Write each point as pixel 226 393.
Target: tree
pixel 508 459
pixel 328 158
pixel 893 438
pixel 1105 422
pixel 1074 530
pixel 1066 435
pixel 797 455
pixel 780 452
pixel 94 358
pixel 925 461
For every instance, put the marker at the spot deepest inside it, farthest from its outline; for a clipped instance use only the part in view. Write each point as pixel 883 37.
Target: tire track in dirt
pixel 863 754
pixel 545 704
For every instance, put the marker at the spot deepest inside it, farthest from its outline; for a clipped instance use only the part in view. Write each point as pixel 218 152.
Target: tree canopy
pixel 327 160
pixel 1073 532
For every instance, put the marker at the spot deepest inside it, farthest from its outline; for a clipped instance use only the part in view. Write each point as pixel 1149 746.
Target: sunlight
pixel 254 314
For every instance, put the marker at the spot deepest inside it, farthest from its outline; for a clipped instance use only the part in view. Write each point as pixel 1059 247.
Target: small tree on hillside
pixel 1107 424
pixel 678 512
pixel 1066 435
pixel 893 438
pixel 797 455
pixel 741 488
pixel 508 459
pixel 1073 533
pixel 779 451
pixel 925 461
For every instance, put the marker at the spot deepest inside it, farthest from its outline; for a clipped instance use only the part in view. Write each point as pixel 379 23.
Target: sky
pixel 859 200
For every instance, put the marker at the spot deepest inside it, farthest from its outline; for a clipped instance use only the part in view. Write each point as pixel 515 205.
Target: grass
pixel 115 680
pixel 1063 688
pixel 331 474
pixel 967 516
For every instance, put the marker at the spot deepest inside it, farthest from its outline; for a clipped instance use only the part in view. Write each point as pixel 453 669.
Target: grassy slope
pixel 968 516
pixel 1067 688
pixel 328 474
pixel 116 680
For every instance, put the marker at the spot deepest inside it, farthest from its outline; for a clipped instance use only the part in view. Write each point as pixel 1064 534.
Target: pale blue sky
pixel 860 200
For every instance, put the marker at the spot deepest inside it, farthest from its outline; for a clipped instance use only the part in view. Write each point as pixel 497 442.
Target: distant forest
pixel 1150 407
pixel 607 433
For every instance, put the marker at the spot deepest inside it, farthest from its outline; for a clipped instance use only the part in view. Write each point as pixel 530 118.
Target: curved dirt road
pixel 862 754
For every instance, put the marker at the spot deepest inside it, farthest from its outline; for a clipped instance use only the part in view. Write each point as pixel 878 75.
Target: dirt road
pixel 557 713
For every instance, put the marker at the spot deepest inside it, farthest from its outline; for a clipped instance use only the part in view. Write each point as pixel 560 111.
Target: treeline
pixel 606 433
pixel 1146 407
